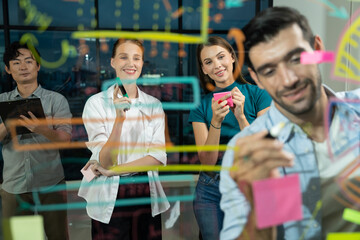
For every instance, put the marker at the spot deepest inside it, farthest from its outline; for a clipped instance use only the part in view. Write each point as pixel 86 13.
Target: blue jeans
pixel 207 210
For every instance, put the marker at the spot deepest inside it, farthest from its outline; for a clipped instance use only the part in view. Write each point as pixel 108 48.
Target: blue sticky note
pixel 233 3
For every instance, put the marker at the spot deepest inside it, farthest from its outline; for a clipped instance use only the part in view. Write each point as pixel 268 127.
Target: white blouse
pixel 144 127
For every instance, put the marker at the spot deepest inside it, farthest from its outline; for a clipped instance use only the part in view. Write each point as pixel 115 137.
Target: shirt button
pixel 315 225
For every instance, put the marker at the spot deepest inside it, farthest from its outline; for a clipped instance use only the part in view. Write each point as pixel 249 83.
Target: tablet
pixel 14 108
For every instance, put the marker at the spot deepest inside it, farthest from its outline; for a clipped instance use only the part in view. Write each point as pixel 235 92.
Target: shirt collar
pixel 36 93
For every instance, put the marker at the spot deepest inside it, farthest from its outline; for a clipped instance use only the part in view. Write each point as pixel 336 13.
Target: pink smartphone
pixel 88 174
pixel 221 94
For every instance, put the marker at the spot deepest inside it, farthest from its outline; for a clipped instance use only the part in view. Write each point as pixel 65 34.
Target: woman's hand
pixel 97 169
pixel 220 109
pixel 239 102
pixel 121 104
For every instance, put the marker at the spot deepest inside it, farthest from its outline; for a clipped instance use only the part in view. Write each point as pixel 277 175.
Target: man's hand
pixel 34 124
pixel 257 158
pixel 3 131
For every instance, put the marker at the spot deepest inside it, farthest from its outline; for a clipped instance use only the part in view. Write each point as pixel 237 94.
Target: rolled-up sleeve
pixel 62 111
pixel 234 204
pixel 157 145
pixel 94 121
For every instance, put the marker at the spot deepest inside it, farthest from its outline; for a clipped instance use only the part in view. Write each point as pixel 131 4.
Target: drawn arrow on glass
pixel 335 11
pixel 67 50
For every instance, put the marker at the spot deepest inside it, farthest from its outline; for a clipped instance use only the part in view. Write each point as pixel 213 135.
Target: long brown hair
pixel 205 80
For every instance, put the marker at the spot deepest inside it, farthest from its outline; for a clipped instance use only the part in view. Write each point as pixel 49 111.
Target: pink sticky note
pixel 88 174
pixel 221 94
pixel 316 57
pixel 277 200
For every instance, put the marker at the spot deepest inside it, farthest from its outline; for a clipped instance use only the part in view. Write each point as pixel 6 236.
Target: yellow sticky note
pixel 351 215
pixel 342 236
pixel 27 227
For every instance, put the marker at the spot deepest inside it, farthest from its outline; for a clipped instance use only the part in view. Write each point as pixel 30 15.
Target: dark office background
pixel 83 72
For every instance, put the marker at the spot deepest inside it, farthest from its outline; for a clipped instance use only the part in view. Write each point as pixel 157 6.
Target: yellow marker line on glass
pixel 351 216
pixel 342 54
pixel 66 50
pixel 343 236
pixel 155 35
pixel 173 168
pixel 145 35
pixel 180 148
pixel 314 214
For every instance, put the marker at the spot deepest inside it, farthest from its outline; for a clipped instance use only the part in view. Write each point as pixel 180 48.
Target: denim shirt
pixel 234 203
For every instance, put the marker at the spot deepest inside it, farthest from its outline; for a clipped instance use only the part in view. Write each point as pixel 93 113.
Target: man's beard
pixel 315 92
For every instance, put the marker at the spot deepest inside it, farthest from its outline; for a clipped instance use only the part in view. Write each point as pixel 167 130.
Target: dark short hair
pixel 215 41
pixel 12 52
pixel 122 40
pixel 268 23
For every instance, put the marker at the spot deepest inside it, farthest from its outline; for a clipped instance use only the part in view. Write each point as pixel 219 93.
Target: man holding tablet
pixel 26 171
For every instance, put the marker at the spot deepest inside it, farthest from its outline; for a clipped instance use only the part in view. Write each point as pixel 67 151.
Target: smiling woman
pixel 119 128
pixel 216 122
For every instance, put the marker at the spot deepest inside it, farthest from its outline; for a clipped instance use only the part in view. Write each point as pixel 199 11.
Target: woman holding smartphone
pixel 118 126
pixel 215 122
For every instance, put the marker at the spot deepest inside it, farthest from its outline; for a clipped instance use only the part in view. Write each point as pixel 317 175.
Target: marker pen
pixel 123 91
pixel 275 131
pixel 273 134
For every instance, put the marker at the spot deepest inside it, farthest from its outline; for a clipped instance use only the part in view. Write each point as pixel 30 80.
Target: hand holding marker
pixel 275 131
pixel 273 134
pixel 124 93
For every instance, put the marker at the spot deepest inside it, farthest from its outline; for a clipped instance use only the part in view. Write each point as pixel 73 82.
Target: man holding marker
pixel 25 172
pixel 304 146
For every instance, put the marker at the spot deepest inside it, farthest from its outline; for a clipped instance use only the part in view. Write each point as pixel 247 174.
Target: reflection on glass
pixel 41 13
pixel 137 15
pixel 81 74
pixel 220 17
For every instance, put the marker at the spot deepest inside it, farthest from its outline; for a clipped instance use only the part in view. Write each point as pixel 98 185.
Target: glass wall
pixel 77 66
pixel 75 40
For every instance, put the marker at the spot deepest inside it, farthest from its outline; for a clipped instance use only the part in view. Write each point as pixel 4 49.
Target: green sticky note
pixel 6 228
pixel 351 215
pixel 27 227
pixel 343 236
